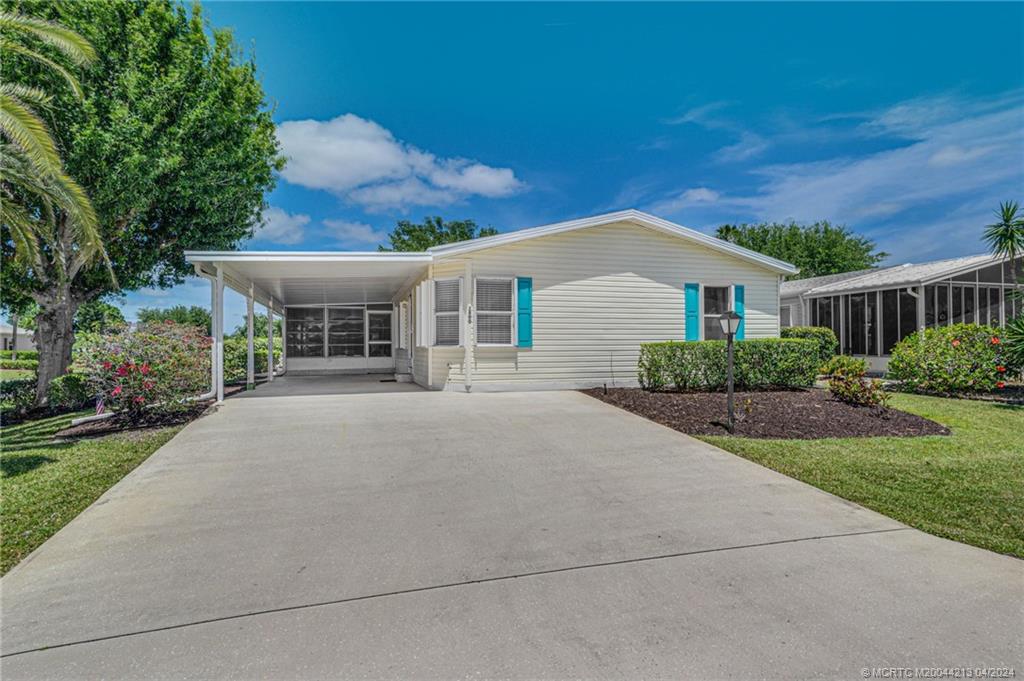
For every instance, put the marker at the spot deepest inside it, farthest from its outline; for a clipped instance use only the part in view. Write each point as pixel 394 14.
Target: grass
pixel 45 484
pixel 12 374
pixel 968 486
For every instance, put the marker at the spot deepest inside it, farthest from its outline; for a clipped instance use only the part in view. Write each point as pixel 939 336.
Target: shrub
pixel 68 393
pixel 155 366
pixel 703 365
pixel 951 359
pixel 847 383
pixel 844 364
pixel 19 363
pixel 235 359
pixel 1013 336
pixel 18 395
pixel 828 344
pixel 22 354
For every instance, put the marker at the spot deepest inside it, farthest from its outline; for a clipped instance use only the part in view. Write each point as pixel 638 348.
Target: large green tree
pixel 817 249
pixel 172 140
pixel 433 231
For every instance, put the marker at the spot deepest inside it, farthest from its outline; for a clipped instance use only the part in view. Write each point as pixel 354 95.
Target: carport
pixel 338 311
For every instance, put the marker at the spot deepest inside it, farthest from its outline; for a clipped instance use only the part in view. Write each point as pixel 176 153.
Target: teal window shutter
pixel 737 295
pixel 524 312
pixel 692 312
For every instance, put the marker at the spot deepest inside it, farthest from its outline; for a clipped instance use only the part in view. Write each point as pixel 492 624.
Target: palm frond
pixel 23 230
pixel 13 47
pixel 71 44
pixel 26 94
pixel 28 132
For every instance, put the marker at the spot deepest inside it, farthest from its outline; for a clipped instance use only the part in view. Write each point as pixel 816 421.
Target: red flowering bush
pixel 951 359
pixel 154 367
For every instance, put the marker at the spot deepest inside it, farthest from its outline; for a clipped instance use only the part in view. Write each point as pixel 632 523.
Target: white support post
pixel 921 324
pixel 270 340
pixel 218 334
pixel 250 350
pixel 469 331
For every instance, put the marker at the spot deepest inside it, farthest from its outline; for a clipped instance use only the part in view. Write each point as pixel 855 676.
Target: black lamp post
pixel 730 322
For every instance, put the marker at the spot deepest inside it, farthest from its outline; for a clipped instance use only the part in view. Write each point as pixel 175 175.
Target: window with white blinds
pixel 495 311
pixel 447 302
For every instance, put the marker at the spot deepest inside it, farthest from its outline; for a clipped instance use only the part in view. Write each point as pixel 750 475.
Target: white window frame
pixel 712 284
pixel 458 313
pixel 513 336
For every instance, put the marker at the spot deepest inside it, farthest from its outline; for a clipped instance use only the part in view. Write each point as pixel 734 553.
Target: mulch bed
pixel 796 414
pixel 119 424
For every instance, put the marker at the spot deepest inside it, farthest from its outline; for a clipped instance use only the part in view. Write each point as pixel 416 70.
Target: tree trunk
pixel 55 336
pixel 14 337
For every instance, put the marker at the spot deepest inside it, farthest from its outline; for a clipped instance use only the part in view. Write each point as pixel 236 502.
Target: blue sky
pixel 903 121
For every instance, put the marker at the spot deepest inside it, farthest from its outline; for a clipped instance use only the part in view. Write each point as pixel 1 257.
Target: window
pixel 495 308
pixel 871 320
pixel 786 316
pixel 942 305
pixel 378 333
pixel 716 303
pixel 856 324
pixel 890 320
pixel 305 333
pixel 447 301
pixel 345 332
pixel 908 313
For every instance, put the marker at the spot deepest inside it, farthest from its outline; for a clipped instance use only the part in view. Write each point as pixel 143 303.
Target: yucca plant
pixel 35 187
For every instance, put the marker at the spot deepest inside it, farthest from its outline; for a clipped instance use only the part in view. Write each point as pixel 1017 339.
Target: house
pixel 557 306
pixel 872 310
pixel 25 341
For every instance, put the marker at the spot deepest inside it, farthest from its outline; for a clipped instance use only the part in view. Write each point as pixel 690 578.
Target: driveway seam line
pixel 450 585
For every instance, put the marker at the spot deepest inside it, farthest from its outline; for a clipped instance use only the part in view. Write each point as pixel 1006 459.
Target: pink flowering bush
pixel 154 367
pixel 951 359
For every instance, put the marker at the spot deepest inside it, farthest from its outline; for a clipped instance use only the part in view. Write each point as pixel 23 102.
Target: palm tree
pixel 1006 237
pixel 33 182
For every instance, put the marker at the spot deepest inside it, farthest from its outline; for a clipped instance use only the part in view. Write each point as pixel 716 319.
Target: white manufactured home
pixel 872 310
pixel 557 306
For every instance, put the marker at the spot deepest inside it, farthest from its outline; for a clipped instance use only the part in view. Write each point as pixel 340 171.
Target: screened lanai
pixel 872 311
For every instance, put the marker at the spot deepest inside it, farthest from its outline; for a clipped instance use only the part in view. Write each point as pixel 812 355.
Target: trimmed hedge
pixel 703 365
pixel 951 359
pixel 17 395
pixel 828 344
pixel 236 357
pixel 19 363
pixel 22 354
pixel 69 392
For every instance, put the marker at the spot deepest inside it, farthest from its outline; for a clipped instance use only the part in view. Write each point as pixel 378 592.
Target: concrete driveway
pixel 425 535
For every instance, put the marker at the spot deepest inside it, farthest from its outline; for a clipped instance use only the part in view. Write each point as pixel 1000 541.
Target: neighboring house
pixel 872 310
pixel 25 341
pixel 563 305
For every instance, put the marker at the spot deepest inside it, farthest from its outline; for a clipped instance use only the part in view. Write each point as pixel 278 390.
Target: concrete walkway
pixel 427 535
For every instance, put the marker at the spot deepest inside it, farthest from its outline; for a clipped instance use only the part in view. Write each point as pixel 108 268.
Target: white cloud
pixel 686 199
pixel 345 231
pixel 953 161
pixel 362 162
pixel 281 227
pixel 750 145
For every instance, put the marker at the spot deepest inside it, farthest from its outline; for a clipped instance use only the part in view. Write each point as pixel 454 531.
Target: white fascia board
pixel 633 216
pixel 305 256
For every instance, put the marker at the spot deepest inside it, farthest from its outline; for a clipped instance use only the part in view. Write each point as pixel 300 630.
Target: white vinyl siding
pixel 597 294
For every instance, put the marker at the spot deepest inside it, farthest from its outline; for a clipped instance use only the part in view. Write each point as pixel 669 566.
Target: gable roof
pixel 898 275
pixel 631 216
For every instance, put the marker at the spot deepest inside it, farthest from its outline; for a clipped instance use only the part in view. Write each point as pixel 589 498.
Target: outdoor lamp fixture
pixel 730 322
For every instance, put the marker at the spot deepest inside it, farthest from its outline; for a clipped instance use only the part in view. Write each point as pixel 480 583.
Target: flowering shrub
pixel 846 365
pixel 951 359
pixel 847 383
pixel 156 366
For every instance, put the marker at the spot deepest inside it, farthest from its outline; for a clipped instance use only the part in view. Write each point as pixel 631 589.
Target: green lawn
pixel 968 486
pixel 12 374
pixel 45 484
